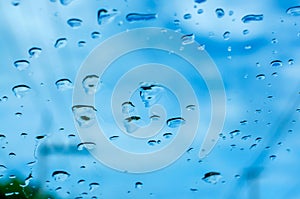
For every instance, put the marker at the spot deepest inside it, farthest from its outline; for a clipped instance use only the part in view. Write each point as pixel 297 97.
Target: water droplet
pixel 105 16
pixel 177 22
pixel 272 157
pixel 234 133
pixel 260 77
pixel 138 185
pixel 81 43
pixel 220 12
pixel 226 35
pixel 187 39
pixel 175 122
pixel 274 41
pixel 230 13
pixel 200 11
pixel 2 168
pixel 74 22
pixel 246 32
pixel 93 186
pixel 34 52
pixel 81 181
pixel 167 135
pixel 18 114
pixel 154 117
pixel 40 137
pixel 212 177
pixel 95 35
pixel 252 17
pixel 276 63
pixel 21 64
pixel 65 2
pixel 86 145
pixel 190 107
pixel 63 84
pixel 193 189
pixel 150 93
pixel 84 115
pixel 114 137
pixel 27 181
pixel 237 176
pixel 200 1
pixel 132 17
pixel 90 84
pixel 243 122
pixel 246 137
pixel 60 176
pixel 127 107
pixel 21 90
pixel 291 61
pixel 293 11
pixel 253 146
pixel 187 16
pixel 4 98
pixel 60 43
pixel 152 142
pixel 2 137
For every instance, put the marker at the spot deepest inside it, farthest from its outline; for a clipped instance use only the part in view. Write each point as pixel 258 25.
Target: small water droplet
pixel 20 90
pixel 175 122
pixel 18 114
pixel 74 22
pixel 220 12
pixel 63 84
pixel 12 154
pixel 133 17
pixel 234 133
pixel 274 41
pixel 177 22
pixel 106 16
pixel 243 122
pixel 93 186
pixel 2 168
pixel 200 11
pixel 187 16
pixel 200 1
pixel 65 2
pixel 260 77
pixel 246 137
pixel 191 107
pixel 246 32
pixel 272 157
pixel 226 35
pixel 40 137
pixel 237 176
pixel 193 189
pixel 60 176
pixel 293 11
pixel 167 135
pixel 138 185
pixel 86 145
pixel 253 146
pixel 21 64
pixel 187 39
pixel 152 142
pixel 27 181
pixel 2 137
pixel 91 84
pixel 84 115
pixel 291 61
pixel 34 52
pixel 212 177
pixel 60 43
pixel 114 137
pixel 252 17
pixel 95 35
pixel 81 43
pixel 276 63
pixel 81 181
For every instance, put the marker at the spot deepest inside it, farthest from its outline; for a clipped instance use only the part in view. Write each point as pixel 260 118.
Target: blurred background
pixel 255 45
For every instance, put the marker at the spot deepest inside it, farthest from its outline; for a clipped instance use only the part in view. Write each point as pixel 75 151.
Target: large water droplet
pixel 86 145
pixel 21 64
pixel 105 16
pixel 293 11
pixel 84 115
pixel 212 177
pixel 63 84
pixel 21 90
pixel 276 63
pixel 132 17
pixel 150 93
pixel 220 12
pixel 60 43
pixel 187 39
pixel 74 22
pixel 175 122
pixel 60 175
pixel 90 84
pixel 252 17
pixel 34 52
pixel 27 181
